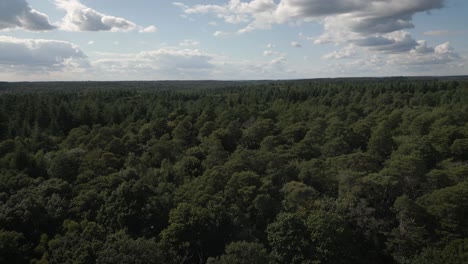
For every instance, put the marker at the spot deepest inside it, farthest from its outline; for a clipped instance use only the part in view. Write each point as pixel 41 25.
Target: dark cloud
pixel 360 16
pixel 317 8
pixel 18 14
pixel 373 41
pixel 380 24
pixel 423 48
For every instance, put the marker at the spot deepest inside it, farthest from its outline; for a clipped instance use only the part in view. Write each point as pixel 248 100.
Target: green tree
pixel 240 193
pixel 79 243
pixel 289 239
pixel 459 149
pixel 14 248
pixel 456 252
pixel 411 234
pixel 242 253
pixel 381 142
pixel 331 239
pixel 297 195
pixel 120 248
pixel 194 233
pixel 254 135
pixel 66 164
pixel 448 206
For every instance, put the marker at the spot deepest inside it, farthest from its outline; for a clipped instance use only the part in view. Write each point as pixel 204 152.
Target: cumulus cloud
pixel 220 34
pixel 363 16
pixel 269 53
pixel 39 55
pixel 444 49
pixel 404 50
pixel 356 16
pixel 400 41
pixel 19 14
pixel 421 60
pixel 422 47
pixel 373 41
pixel 423 55
pixel 149 29
pixel 82 18
pixel 233 12
pixel 278 60
pixel 256 14
pixel 347 52
pixel 288 9
pixel 189 42
pixel 296 44
pixel 372 27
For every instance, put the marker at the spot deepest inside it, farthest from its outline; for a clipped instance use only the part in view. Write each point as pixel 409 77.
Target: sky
pixel 81 40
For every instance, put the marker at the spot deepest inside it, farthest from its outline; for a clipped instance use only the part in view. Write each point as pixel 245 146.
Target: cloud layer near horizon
pixel 38 56
pixel 371 36
pixel 40 52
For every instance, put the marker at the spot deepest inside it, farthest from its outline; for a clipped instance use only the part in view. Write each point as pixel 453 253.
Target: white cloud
pixel 180 5
pixel 373 26
pixel 362 16
pixel 256 14
pixel 373 41
pixel 185 64
pixel 91 42
pixel 39 55
pixel 150 29
pixel 422 47
pixel 355 16
pixel 421 60
pixel 278 60
pixel 427 56
pixel 444 49
pixel 399 41
pixel 233 12
pixel 82 18
pixel 296 44
pixel 189 42
pixel 347 52
pixel 19 14
pixel 164 63
pixel 269 52
pixel 221 34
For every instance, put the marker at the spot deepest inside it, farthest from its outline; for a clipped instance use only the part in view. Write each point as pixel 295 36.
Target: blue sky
pixel 230 39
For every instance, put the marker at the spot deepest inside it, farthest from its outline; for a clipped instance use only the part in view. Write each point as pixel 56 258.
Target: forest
pixel 368 170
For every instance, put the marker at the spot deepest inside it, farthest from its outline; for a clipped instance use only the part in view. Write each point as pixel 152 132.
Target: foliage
pixel 303 171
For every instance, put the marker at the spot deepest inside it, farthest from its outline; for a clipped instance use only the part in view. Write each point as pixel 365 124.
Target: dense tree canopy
pixel 306 171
